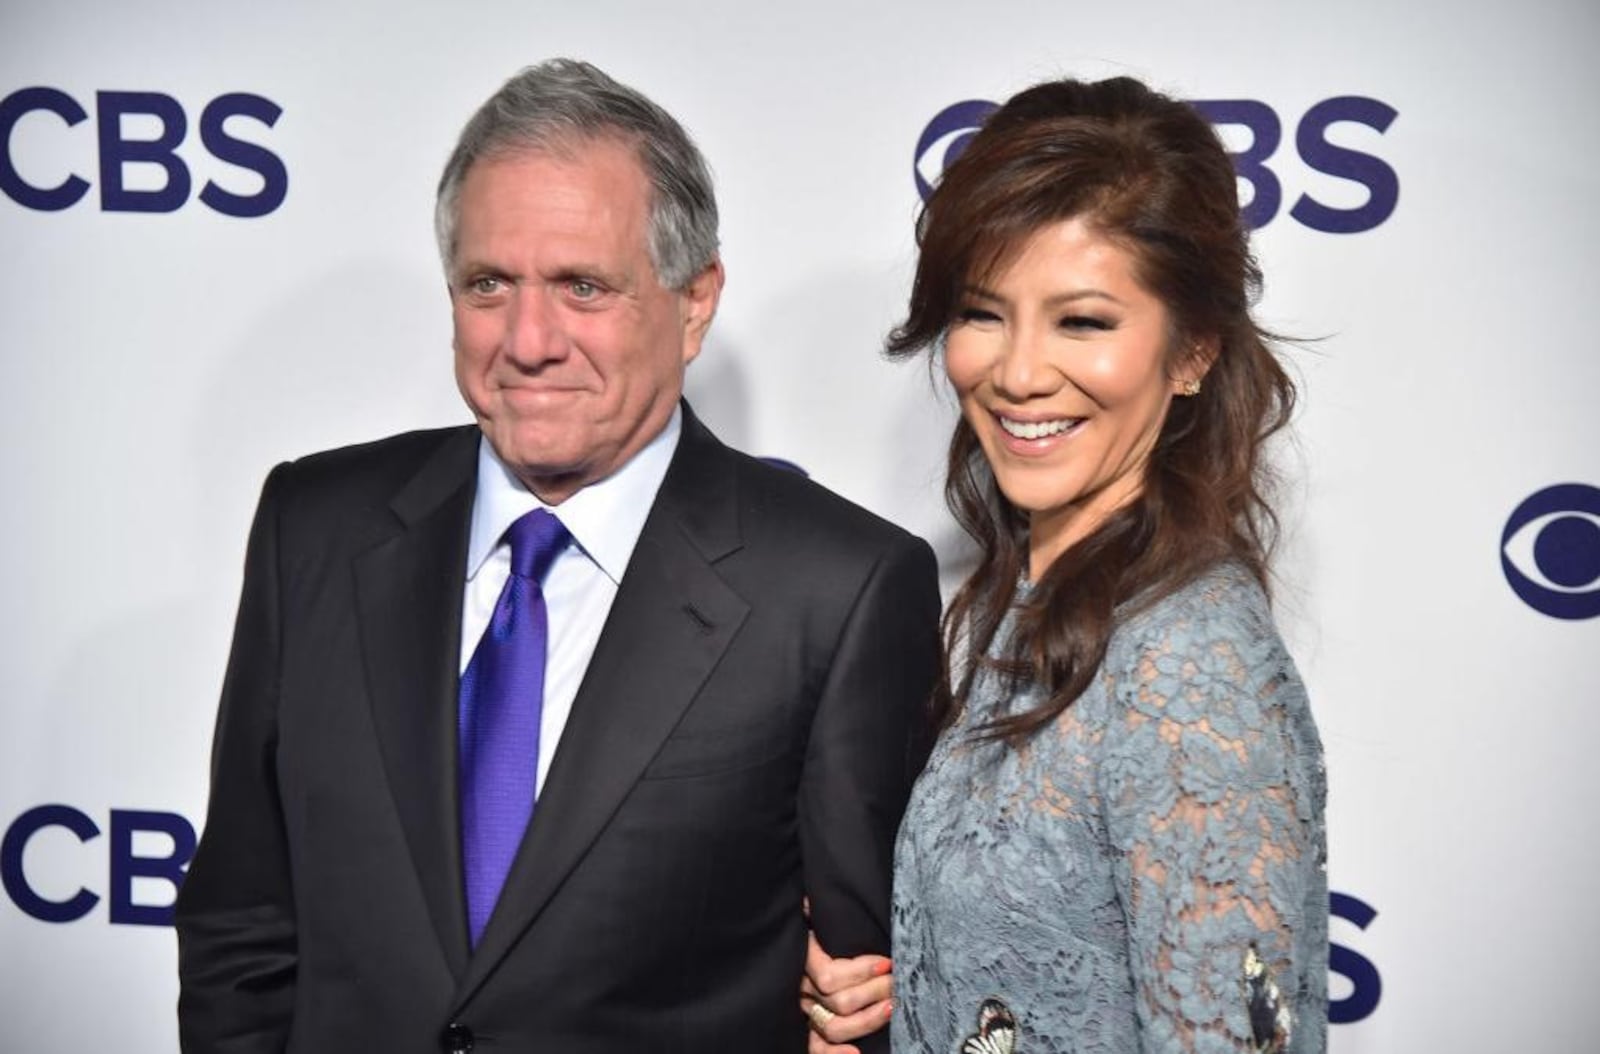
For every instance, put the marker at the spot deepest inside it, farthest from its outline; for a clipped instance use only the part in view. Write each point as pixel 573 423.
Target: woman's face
pixel 1060 361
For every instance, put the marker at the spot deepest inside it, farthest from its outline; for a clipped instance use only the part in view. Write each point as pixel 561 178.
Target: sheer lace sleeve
pixel 1212 790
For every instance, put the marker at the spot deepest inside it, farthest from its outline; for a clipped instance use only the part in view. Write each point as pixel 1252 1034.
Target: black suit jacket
pixel 747 732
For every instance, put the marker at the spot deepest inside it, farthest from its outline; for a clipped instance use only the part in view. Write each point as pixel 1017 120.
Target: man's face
pixel 567 347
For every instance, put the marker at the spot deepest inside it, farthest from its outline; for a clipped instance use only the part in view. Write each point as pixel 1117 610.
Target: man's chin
pixel 541 450
pixel 551 477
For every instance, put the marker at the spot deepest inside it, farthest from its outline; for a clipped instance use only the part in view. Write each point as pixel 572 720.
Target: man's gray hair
pixel 562 103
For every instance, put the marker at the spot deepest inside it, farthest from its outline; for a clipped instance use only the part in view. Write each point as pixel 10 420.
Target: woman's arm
pixel 1211 784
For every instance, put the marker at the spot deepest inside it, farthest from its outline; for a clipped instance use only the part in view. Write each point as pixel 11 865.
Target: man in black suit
pixel 735 662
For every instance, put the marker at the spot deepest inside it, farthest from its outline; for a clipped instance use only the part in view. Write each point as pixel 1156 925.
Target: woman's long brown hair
pixel 1148 172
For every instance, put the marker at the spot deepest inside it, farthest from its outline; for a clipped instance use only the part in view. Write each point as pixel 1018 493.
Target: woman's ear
pixel 1193 364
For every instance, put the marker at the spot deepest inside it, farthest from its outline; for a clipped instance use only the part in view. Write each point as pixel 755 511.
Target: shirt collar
pixel 605 518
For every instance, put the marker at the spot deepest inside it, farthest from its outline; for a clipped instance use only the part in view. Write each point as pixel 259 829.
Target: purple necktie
pixel 502 694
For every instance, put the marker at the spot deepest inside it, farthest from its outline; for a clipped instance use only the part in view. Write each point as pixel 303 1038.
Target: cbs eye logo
pixel 951 129
pixel 1550 551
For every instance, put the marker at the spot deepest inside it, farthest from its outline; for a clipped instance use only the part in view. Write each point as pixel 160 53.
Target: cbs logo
pixel 1550 551
pixel 139 133
pixel 953 127
pixel 145 848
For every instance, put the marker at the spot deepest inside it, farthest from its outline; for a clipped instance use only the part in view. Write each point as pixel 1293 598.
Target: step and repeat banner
pixel 216 227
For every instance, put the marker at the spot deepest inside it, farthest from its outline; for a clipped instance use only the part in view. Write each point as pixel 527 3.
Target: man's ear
pixel 699 305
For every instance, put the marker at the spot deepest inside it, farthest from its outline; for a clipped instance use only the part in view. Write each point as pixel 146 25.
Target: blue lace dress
pixel 1147 874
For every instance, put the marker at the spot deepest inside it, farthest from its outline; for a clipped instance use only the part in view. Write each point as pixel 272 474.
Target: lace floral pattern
pixel 1114 882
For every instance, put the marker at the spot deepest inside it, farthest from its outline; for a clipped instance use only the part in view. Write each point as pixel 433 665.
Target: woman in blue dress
pixel 1117 846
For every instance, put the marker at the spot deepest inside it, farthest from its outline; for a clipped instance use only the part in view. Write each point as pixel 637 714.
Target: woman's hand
pixel 844 998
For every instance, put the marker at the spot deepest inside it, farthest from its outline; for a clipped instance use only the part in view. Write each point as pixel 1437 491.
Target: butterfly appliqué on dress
pixel 1270 1019
pixel 997 1030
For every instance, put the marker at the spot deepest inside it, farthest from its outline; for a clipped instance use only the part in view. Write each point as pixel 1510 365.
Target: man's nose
pixel 534 334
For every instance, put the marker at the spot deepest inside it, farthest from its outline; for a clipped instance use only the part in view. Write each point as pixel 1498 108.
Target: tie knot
pixel 535 540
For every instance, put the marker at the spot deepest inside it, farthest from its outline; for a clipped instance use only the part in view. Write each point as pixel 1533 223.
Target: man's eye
pixel 583 289
pixel 485 285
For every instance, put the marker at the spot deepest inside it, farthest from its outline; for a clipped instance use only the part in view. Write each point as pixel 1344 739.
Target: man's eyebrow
pixel 604 276
pixel 468 266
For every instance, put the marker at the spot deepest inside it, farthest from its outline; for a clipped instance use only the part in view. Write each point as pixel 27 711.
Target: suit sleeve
pixel 868 742
pixel 235 913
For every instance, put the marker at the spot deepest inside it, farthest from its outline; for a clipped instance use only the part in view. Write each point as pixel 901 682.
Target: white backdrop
pixel 157 363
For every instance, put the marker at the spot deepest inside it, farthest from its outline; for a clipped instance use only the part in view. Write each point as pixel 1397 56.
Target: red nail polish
pixel 883 968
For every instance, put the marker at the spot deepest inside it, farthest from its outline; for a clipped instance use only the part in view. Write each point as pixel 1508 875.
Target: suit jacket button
pixel 456 1039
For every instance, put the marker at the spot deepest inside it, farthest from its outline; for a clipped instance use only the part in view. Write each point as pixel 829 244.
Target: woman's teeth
pixel 1037 429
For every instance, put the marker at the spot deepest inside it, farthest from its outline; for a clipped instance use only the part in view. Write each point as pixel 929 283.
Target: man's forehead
pixel 599 183
pixel 566 147
pixel 599 174
pixel 534 212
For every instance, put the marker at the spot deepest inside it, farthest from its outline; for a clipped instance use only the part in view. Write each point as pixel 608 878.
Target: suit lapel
pixel 409 591
pixel 671 621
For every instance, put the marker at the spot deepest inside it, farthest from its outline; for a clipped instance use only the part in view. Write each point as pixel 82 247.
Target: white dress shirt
pixel 604 520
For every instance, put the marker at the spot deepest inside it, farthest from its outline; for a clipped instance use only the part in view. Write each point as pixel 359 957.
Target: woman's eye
pixel 976 314
pixel 1086 322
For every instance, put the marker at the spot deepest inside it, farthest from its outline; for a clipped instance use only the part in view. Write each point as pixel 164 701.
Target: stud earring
pixel 1189 387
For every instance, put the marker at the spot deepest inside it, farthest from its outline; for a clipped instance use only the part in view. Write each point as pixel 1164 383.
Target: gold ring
pixel 820 1015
